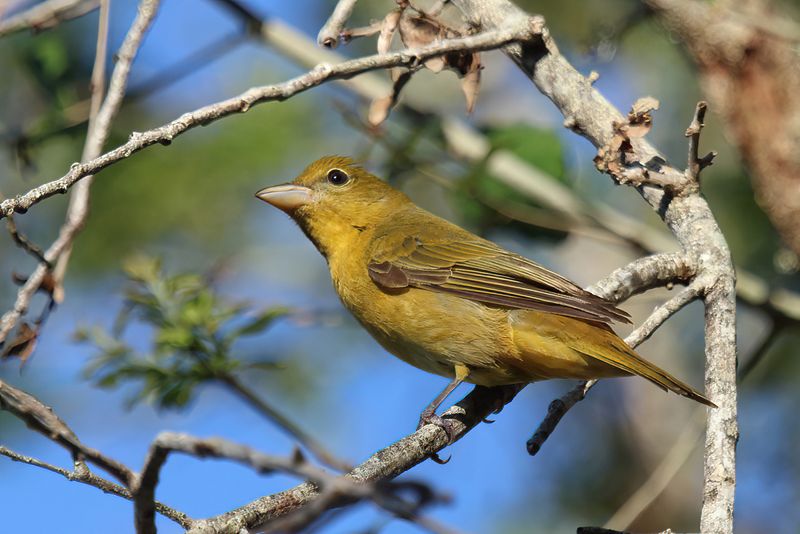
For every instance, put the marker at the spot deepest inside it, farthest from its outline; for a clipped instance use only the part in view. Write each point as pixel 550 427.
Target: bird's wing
pixel 479 270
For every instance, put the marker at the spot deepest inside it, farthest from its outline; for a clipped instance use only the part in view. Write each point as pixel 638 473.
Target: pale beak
pixel 286 197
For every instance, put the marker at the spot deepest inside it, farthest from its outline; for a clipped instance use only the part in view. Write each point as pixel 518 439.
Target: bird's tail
pixel 625 358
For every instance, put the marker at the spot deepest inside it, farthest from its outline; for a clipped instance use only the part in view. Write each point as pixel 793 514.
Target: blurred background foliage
pixel 191 204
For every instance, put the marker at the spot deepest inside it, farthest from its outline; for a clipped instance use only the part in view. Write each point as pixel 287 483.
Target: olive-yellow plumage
pixel 448 301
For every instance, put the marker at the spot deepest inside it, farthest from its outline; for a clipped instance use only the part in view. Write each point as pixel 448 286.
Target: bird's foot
pixel 430 418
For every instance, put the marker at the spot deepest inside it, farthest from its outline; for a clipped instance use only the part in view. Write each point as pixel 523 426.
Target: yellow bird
pixel 448 301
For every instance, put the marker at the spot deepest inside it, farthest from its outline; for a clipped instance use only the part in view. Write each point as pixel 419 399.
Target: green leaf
pixel 184 314
pixel 540 147
pixel 176 337
pixel 52 56
pixel 142 268
pixel 199 311
pixel 485 202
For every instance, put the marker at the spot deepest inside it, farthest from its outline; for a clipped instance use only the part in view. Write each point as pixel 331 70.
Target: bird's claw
pixel 431 418
pixel 438 459
pixel 445 424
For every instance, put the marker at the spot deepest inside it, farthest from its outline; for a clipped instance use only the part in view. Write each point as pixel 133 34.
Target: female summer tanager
pixel 448 301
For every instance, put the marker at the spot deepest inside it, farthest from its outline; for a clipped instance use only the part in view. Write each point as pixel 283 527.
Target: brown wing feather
pixel 481 271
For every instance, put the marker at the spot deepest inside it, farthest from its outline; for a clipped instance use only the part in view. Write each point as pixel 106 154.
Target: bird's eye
pixel 337 177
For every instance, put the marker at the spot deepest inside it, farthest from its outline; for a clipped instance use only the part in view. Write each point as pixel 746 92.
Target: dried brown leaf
pixel 645 105
pixel 379 110
pixel 388 28
pixel 49 285
pixel 23 344
pixel 380 107
pixel 640 118
pixel 417 31
pixel 470 83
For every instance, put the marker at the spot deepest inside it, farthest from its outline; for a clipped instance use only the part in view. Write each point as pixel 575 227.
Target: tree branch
pixel 85 476
pixel 257 95
pixel 42 419
pixel 466 143
pixel 332 30
pixel 688 217
pixel 333 489
pixel 97 134
pixel 385 464
pixel 46 15
pixel 645 273
pixel 23 242
pixel 284 423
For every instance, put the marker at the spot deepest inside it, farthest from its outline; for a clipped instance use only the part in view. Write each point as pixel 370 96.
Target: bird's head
pixel 334 200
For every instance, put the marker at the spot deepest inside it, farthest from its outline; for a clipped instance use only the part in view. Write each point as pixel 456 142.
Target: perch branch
pixel 334 489
pixel 385 464
pixel 23 242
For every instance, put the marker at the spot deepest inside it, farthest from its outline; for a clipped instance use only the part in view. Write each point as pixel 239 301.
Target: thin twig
pixel 555 411
pixel 283 422
pixel 657 270
pixel 45 15
pixel 43 419
pixel 239 104
pixel 77 209
pixel 96 137
pixel 90 479
pixel 334 489
pixel 332 30
pixel 684 297
pixel 695 164
pixel 24 243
